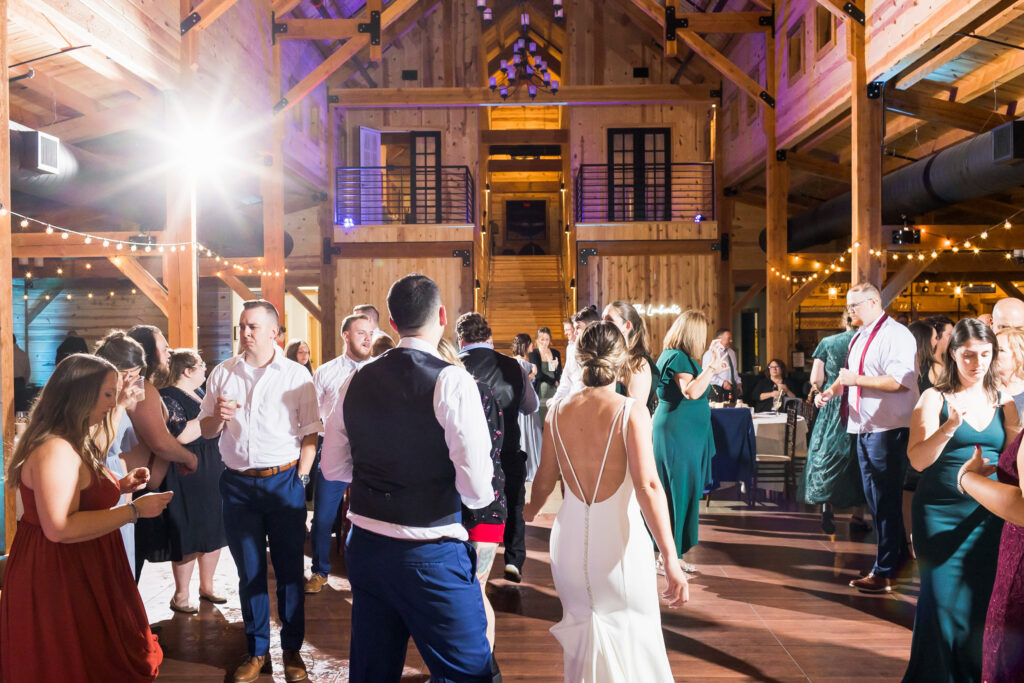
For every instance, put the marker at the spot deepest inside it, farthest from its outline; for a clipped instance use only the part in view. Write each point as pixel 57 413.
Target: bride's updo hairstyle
pixel 601 352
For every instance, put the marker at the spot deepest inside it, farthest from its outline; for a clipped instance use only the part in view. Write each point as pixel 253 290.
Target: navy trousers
pixel 883 463
pixel 424 589
pixel 514 467
pixel 326 506
pixel 255 511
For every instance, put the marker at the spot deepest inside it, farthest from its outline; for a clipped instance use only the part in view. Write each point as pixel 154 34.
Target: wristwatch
pixel 304 478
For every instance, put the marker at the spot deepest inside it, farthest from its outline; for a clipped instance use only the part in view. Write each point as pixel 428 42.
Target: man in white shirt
pixel 371 312
pixel 572 375
pixel 408 431
pixel 357 331
pixel 725 385
pixel 263 406
pixel 879 389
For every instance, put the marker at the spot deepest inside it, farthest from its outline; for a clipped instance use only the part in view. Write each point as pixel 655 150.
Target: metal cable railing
pixel 627 193
pixel 387 195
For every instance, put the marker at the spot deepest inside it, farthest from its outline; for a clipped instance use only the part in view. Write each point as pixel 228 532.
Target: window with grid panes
pixel 639 174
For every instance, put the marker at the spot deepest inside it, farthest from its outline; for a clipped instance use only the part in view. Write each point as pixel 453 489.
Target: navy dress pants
pixel 258 510
pixel 883 462
pixel 326 507
pixel 427 590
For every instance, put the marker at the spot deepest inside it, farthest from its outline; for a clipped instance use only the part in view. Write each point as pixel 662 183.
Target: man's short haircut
pixel 472 328
pixel 720 331
pixel 368 310
pixel 412 300
pixel 266 306
pixel 869 289
pixel 346 324
pixel 587 315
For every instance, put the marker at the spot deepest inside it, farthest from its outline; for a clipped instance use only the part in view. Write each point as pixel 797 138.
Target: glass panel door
pixel 639 178
pixel 426 177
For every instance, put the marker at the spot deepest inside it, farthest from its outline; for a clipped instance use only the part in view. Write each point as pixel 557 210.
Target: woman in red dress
pixel 70 610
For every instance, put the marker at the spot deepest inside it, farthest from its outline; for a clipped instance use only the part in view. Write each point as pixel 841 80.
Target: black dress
pixel 652 395
pixel 546 381
pixel 193 521
pixel 763 386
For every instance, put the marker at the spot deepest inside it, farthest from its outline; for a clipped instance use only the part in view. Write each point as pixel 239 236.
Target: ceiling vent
pixel 40 152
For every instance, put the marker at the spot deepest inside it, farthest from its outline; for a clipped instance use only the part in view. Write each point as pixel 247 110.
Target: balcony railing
pixel 379 195
pixel 627 193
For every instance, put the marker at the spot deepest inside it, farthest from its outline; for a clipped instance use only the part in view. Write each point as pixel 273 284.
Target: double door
pixel 639 174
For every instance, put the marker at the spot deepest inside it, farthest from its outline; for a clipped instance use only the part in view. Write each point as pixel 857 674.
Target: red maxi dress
pixel 70 612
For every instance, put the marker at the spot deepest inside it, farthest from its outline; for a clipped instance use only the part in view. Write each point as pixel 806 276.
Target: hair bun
pixel 601 352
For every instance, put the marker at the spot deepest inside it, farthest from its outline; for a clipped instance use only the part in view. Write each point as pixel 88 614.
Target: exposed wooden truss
pixel 352 98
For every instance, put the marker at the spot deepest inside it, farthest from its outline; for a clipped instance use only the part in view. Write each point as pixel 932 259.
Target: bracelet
pixel 135 512
pixel 960 482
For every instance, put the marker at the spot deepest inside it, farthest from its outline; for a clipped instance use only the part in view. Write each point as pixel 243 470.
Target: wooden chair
pixel 781 468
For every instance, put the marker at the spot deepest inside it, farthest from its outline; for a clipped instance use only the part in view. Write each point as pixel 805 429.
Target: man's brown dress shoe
pixel 249 670
pixel 294 667
pixel 872 584
pixel 315 584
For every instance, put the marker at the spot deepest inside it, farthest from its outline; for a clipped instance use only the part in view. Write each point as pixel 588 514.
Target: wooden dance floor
pixel 770 604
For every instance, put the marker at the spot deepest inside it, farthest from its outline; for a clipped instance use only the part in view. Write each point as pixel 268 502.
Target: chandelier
pixel 527 68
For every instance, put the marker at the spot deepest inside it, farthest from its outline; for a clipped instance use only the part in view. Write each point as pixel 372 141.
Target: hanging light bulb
pixel 1007 225
pixel 64 235
pixel 24 223
pixel 49 229
pixel 106 243
pixel 88 240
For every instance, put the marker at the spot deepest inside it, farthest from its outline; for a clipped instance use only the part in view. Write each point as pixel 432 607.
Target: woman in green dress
pixel 683 443
pixel 832 475
pixel 957 540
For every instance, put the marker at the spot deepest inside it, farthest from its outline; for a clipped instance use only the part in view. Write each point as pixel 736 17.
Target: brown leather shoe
pixel 294 667
pixel 872 584
pixel 249 670
pixel 316 583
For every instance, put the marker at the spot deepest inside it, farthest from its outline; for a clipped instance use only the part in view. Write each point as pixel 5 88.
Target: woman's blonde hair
pixel 64 409
pixel 689 333
pixel 601 352
pixel 449 352
pixel 1013 338
pixel 636 344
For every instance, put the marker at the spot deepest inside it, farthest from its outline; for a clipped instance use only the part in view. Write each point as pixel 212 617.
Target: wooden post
pixel 6 304
pixel 329 329
pixel 724 209
pixel 866 177
pixel 179 266
pixel 777 325
pixel 272 188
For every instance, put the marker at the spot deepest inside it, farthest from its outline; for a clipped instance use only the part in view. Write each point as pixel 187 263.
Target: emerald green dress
pixel 957 544
pixel 683 446
pixel 832 474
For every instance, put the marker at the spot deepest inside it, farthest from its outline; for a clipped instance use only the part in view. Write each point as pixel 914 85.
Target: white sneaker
pixel 512 573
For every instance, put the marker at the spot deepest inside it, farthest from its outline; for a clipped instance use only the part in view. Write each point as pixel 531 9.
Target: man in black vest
pixel 408 430
pixel 509 382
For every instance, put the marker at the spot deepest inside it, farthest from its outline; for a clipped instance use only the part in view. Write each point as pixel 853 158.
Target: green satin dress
pixel 957 545
pixel 832 474
pixel 683 446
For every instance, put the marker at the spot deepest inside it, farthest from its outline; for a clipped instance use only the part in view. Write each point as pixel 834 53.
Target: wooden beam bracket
pixel 330 249
pixel 465 254
pixel 372 27
pixel 854 12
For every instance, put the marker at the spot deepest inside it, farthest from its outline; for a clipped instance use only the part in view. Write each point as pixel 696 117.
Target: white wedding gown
pixel 602 562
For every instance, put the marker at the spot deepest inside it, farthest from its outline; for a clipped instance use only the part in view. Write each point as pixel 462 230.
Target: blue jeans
pixel 883 461
pixel 326 505
pixel 424 589
pixel 257 510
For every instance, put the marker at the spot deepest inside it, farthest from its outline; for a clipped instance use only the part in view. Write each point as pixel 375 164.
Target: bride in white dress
pixel 601 556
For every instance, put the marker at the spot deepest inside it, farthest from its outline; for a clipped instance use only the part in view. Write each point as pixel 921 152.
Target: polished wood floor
pixel 770 603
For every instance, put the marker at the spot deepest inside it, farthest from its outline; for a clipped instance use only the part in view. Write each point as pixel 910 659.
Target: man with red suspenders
pixel 878 388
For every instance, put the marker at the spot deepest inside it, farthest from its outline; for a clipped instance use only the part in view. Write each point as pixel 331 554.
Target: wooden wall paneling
pixel 6 304
pixel 685 280
pixel 367 280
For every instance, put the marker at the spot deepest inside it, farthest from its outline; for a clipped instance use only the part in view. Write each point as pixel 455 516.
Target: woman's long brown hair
pixel 64 410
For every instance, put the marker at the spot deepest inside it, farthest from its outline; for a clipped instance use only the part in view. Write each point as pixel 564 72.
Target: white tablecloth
pixel 770 429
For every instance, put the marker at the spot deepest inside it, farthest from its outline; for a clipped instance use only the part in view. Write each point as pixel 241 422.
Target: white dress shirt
pixel 329 377
pixel 731 373
pixel 893 352
pixel 529 403
pixel 460 412
pixel 572 377
pixel 277 409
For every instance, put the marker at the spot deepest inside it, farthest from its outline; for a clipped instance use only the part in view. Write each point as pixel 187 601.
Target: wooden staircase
pixel 524 293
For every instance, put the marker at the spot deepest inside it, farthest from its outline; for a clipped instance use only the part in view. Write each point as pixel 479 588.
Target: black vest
pixel 401 472
pixel 504 376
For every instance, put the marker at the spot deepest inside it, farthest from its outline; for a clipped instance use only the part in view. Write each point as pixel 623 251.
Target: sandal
pixel 187 608
pixel 212 597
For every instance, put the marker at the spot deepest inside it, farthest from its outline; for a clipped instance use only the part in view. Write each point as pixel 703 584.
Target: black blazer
pixel 543 378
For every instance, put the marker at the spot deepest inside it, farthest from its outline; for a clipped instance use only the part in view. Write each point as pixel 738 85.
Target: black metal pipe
pixel 978 167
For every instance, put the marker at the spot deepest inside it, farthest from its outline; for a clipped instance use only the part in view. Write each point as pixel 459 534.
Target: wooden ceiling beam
pixel 306 302
pixel 525 136
pixel 318 29
pixel 524 165
pixel 725 22
pixel 747 297
pixel 725 67
pixel 808 163
pixel 144 280
pixel 388 37
pixel 362 98
pixel 132 116
pixel 955 114
pixel 395 10
pixel 1009 288
pixel 899 280
pixel 236 285
pixel 62 93
pixel 204 14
